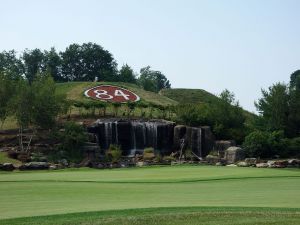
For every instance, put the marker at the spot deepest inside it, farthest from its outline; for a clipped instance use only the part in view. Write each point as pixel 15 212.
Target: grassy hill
pixel 183 95
pixel 75 91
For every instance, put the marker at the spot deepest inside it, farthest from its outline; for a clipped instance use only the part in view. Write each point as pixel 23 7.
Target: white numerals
pixel 102 94
pixel 121 93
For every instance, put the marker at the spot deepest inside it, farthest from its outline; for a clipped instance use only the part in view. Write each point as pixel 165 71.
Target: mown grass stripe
pixel 151 182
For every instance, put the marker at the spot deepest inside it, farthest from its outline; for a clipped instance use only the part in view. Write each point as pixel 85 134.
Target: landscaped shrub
pixel 188 154
pixel 114 153
pixel 293 149
pixel 148 154
pixel 168 158
pixel 71 141
pixel 265 144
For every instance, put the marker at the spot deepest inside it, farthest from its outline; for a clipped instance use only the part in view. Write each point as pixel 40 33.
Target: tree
pixel 53 64
pixel 152 80
pixel 273 106
pixel 294 105
pixel 87 62
pixel 7 91
pixel 33 61
pixel 127 75
pixel 72 140
pixel 10 65
pixel 265 144
pixel 47 103
pixel 295 80
pixel 37 104
pixel 22 104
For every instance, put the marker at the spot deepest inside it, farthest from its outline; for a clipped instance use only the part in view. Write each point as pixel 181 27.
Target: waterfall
pixel 116 132
pixel 108 134
pixel 135 135
pixel 200 142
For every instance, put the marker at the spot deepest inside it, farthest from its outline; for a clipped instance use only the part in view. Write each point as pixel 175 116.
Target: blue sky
pixel 239 45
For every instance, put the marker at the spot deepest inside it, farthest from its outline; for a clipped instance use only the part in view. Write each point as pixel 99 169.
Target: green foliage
pixel 22 104
pixel 53 64
pixel 126 74
pixel 152 80
pixel 10 65
pixel 293 147
pixel 265 144
pixel 46 103
pixel 87 62
pixel 273 106
pixel 192 114
pixel 148 154
pixel 169 158
pixel 33 63
pixel 7 92
pixel 225 116
pixel 149 150
pixel 114 153
pixel 72 139
pixel 188 154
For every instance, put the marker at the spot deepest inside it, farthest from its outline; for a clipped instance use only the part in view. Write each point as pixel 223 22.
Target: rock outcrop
pixel 135 135
pixel 234 154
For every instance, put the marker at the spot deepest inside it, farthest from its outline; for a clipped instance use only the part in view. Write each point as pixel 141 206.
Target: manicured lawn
pixel 170 216
pixel 25 194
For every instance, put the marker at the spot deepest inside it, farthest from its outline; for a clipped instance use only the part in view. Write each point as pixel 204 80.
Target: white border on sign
pixel 106 85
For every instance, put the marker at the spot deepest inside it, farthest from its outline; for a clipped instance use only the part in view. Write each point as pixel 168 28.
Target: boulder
pixel 271 164
pixel 234 154
pixel 53 167
pixel 34 166
pixel 99 166
pixel 281 163
pixel 63 162
pixel 7 167
pixel 211 159
pixel 262 165
pixel 221 145
pixel 231 165
pixel 242 164
pixel 294 163
pixel 251 161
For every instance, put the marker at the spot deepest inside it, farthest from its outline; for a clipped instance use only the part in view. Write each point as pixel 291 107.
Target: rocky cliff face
pixel 135 135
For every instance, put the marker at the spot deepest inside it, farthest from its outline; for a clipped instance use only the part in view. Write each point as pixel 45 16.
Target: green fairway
pixel 25 194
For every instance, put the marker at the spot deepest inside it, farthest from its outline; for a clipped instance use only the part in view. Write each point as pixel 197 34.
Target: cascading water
pixel 135 135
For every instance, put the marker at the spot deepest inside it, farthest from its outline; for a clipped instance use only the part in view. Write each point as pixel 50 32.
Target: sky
pixel 241 45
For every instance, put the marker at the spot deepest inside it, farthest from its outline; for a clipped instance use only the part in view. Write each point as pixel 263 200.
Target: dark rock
pixel 99 166
pixel 63 162
pixel 7 167
pixel 251 161
pixel 35 166
pixel 234 154
pixel 135 135
pixel 294 163
pixel 179 134
pixel 281 164
pixel 24 157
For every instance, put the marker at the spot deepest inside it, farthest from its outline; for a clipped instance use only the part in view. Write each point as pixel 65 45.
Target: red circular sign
pixel 111 93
